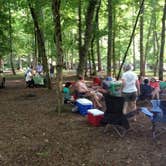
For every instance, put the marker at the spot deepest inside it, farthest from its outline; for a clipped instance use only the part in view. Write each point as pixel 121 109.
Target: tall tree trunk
pixel 135 25
pixel 148 40
pixel 133 43
pixel 41 44
pixel 1 64
pixel 93 57
pixel 156 51
pixel 90 64
pixel 71 59
pixel 35 59
pixel 59 53
pixel 86 66
pixel 79 28
pixel 97 36
pixel 87 37
pixel 162 44
pixel 109 50
pixel 19 63
pixel 155 38
pixel 134 59
pixel 142 57
pixel 113 43
pixel 11 41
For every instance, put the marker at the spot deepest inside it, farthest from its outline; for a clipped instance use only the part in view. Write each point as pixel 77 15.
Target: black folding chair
pixel 114 115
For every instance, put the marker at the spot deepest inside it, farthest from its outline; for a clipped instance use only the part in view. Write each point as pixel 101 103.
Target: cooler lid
pixel 95 112
pixel 84 101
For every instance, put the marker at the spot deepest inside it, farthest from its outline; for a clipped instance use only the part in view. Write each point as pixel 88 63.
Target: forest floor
pixel 33 134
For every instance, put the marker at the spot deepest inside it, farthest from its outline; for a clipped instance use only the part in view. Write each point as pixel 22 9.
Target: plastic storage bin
pixel 83 105
pixel 95 116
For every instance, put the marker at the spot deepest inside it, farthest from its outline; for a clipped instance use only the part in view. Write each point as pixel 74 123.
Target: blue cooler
pixel 83 105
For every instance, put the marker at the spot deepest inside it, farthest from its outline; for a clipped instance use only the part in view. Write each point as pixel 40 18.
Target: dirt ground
pixel 33 134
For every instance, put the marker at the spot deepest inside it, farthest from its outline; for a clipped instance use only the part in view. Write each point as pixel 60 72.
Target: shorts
pixel 129 96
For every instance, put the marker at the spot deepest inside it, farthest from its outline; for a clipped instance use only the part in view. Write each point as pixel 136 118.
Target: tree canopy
pixel 21 29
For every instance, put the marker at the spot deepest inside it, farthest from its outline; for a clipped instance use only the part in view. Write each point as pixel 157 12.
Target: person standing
pixel 51 71
pixel 130 89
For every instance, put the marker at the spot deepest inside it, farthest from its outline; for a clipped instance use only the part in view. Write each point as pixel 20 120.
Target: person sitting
pixel 81 88
pixel 29 79
pixel 156 88
pixel 83 91
pixel 97 81
pixel 145 90
pixel 66 91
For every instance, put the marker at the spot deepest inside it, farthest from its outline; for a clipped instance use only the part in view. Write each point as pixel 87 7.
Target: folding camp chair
pixel 157 115
pixel 114 115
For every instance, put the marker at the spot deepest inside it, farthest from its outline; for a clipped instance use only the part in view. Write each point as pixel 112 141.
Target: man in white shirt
pixel 130 89
pixel 29 79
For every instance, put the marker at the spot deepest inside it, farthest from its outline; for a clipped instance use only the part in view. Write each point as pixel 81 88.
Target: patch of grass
pixel 42 154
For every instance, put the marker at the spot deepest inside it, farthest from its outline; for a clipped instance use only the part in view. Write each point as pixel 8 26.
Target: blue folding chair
pixel 157 115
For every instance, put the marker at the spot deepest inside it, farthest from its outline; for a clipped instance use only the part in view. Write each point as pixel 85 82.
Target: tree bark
pixel 10 41
pixel 133 43
pixel 79 27
pixel 109 50
pixel 156 49
pixel 155 39
pixel 59 54
pixel 142 57
pixel 161 59
pixel 87 37
pixel 135 25
pixel 97 36
pixel 113 43
pixel 35 59
pixel 94 72
pixel 41 44
pixel 90 64
pixel 148 40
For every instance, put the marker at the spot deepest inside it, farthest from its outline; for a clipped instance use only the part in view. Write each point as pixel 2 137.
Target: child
pixel 66 90
pixel 145 90
pixel 156 88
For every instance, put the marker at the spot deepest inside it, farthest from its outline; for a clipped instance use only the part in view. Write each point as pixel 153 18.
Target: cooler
pixel 83 105
pixel 95 116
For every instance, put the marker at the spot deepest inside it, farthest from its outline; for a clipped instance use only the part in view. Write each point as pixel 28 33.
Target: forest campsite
pixel 82 83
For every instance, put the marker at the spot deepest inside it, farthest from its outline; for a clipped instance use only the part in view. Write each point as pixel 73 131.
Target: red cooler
pixel 95 116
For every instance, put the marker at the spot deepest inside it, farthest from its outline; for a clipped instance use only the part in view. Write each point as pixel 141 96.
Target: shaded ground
pixel 32 134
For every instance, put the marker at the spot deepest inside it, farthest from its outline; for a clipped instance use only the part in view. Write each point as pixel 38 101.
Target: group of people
pixel 37 72
pixel 131 89
pixel 80 90
pixel 150 89
pixel 95 93
pixel 32 72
